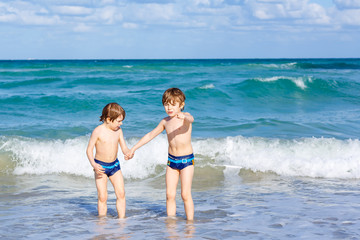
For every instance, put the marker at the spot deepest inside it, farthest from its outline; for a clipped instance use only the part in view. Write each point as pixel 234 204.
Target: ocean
pixel 276 144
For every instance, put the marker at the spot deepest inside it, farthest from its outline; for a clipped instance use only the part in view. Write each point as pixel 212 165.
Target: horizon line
pixel 160 59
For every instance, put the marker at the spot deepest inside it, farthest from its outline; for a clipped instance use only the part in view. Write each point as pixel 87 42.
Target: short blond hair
pixel 112 111
pixel 172 95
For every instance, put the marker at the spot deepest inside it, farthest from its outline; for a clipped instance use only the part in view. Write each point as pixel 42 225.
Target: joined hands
pixel 129 154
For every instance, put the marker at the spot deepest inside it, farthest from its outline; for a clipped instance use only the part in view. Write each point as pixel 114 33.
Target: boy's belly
pixel 180 150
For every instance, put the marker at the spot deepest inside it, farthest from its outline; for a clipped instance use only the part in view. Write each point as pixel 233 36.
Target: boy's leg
pixel 117 181
pixel 101 186
pixel 186 177
pixel 172 178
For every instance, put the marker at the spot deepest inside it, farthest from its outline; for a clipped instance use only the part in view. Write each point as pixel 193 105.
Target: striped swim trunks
pixel 180 162
pixel 110 168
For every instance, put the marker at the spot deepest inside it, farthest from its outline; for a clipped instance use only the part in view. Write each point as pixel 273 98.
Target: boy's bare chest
pixel 175 126
pixel 110 138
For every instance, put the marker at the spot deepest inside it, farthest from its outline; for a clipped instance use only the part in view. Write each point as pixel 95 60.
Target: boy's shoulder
pixel 165 120
pixel 99 128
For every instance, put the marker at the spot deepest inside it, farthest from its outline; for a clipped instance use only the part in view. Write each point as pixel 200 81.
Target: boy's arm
pixel 122 143
pixel 186 116
pixel 90 153
pixel 148 137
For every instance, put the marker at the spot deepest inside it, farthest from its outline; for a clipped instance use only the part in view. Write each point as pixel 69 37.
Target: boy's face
pixel 115 125
pixel 173 108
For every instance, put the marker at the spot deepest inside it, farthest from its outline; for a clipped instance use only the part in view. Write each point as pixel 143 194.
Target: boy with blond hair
pixel 178 126
pixel 106 138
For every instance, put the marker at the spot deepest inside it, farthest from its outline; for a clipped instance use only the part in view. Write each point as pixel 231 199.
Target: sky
pixel 179 29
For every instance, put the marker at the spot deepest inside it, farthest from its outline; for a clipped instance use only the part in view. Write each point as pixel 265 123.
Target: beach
pixel 276 144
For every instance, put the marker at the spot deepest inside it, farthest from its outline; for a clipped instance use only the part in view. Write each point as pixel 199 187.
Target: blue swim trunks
pixel 110 168
pixel 180 162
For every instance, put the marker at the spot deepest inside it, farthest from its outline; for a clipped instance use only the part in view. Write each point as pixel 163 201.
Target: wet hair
pixel 172 95
pixel 112 111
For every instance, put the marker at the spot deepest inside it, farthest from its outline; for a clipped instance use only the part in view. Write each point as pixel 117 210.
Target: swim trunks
pixel 180 162
pixel 110 168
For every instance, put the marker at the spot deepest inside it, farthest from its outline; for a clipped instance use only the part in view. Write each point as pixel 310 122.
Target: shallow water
pixel 249 205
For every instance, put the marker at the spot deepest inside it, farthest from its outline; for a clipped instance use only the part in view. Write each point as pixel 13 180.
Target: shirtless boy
pixel 178 126
pixel 106 138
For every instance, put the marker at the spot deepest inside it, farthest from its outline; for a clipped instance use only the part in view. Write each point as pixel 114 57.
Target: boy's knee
pixel 102 198
pixel 185 196
pixel 170 195
pixel 120 195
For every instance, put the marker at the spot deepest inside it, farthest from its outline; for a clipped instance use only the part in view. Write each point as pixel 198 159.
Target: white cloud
pixel 72 10
pixel 346 13
pixel 108 15
pixel 26 13
pixel 81 27
pixel 6 15
pixel 204 14
pixel 31 19
pixel 347 4
pixel 201 2
pixel 153 13
pixel 315 14
pixel 300 11
pixel 347 17
pixel 106 2
pixel 130 25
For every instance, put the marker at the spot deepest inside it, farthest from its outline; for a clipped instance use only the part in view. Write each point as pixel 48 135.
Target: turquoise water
pixel 285 131
pixel 269 98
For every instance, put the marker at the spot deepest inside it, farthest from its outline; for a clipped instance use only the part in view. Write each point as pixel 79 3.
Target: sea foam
pixel 298 81
pixel 207 86
pixel 289 65
pixel 310 157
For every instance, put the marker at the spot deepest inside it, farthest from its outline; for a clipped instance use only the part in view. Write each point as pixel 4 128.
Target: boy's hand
pixel 126 154
pixel 180 115
pixel 99 169
pixel 185 116
pixel 129 155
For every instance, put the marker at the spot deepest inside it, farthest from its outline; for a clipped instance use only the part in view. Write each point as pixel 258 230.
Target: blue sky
pixel 156 29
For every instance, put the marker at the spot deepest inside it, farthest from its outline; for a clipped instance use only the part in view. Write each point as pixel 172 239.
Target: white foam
pixel 49 156
pixel 57 156
pixel 207 86
pixel 311 157
pixel 145 160
pixel 280 66
pixel 298 81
